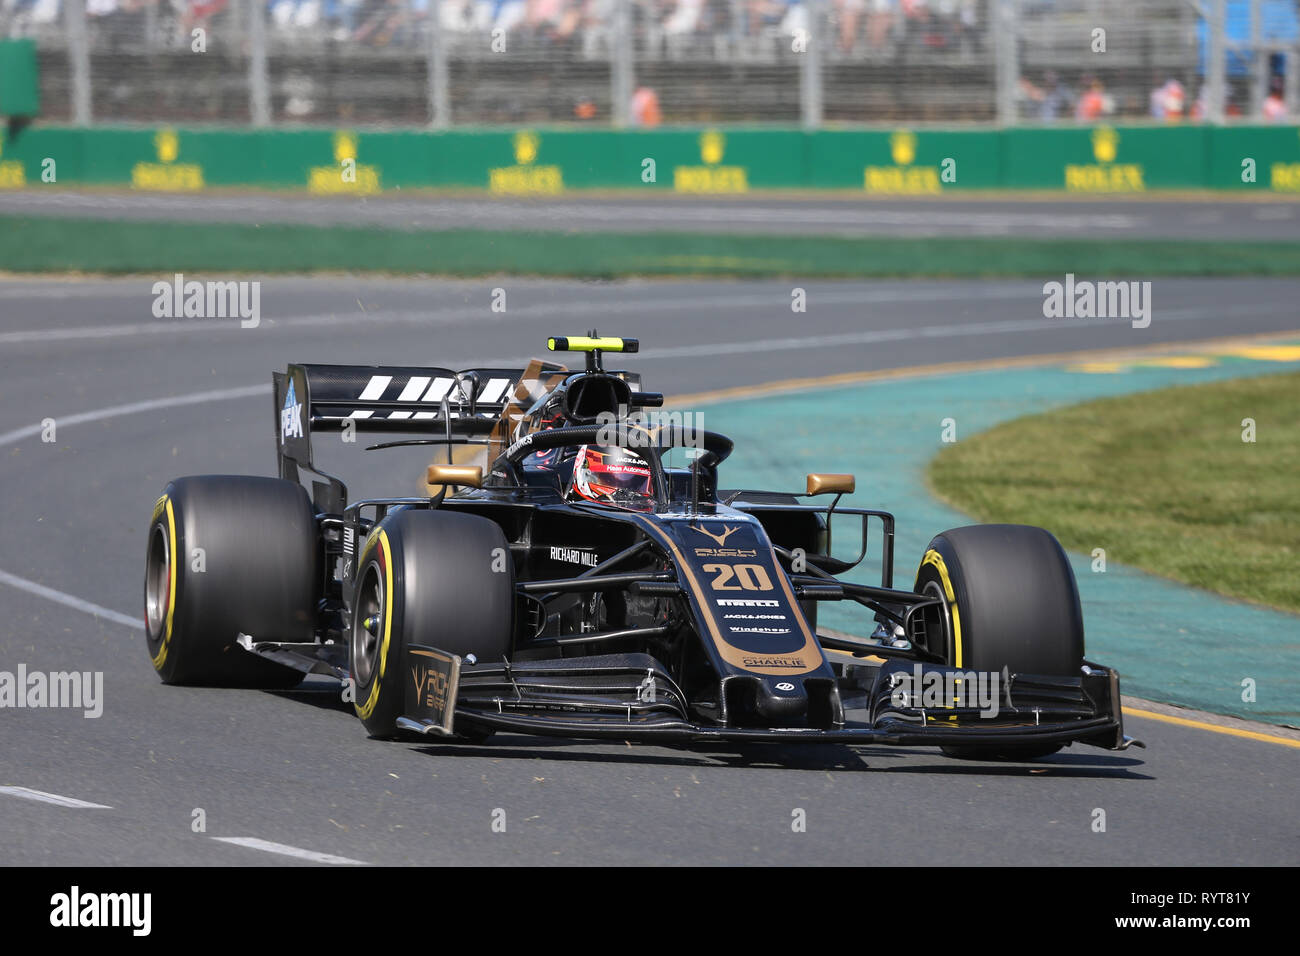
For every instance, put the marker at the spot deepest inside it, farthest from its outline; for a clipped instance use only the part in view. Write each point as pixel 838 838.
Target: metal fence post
pixel 1292 88
pixel 74 22
pixel 620 67
pixel 1216 66
pixel 259 93
pixel 1006 51
pixel 1259 73
pixel 810 74
pixel 439 78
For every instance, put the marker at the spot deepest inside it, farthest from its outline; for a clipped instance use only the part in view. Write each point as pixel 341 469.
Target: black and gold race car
pixel 575 570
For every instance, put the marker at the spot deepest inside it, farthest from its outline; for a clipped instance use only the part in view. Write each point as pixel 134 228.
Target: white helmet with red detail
pixel 611 476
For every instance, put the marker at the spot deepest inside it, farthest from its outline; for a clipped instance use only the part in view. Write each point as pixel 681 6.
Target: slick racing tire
pixel 229 554
pixel 437 578
pixel 1013 602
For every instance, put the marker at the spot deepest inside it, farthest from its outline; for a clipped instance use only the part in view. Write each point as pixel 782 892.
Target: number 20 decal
pixel 749 577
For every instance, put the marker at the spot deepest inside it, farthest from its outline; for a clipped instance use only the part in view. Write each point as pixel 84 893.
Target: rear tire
pixel 1013 603
pixel 229 554
pixel 438 578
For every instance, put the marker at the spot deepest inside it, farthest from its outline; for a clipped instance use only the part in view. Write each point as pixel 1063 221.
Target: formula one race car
pixel 566 575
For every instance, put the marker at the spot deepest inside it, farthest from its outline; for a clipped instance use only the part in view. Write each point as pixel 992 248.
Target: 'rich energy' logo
pixel 431 687
pixel 720 538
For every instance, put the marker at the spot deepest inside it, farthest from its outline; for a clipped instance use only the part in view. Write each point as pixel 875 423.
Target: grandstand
pixel 416 62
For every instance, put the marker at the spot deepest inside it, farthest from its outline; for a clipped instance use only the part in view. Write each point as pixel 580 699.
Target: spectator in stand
pixel 553 19
pixel 1029 98
pixel 1092 104
pixel 762 14
pixel 968 29
pixel 1056 100
pixel 1275 103
pixel 848 13
pixel 508 14
pixel 198 13
pixel 1168 101
pixel 916 26
pixel 645 107
pixel 685 18
pixel 880 21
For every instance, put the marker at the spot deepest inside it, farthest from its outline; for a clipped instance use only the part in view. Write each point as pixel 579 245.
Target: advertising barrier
pixel 549 161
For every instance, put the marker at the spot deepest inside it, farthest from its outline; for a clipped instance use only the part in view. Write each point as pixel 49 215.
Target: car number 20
pixel 746 577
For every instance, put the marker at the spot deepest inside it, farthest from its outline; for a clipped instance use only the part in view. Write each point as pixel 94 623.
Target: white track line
pixel 43 797
pixel 134 408
pixel 68 600
pixel 253 843
pixel 457 315
pixel 1020 292
pixel 701 351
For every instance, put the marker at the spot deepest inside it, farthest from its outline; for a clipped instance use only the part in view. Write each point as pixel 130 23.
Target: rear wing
pixel 474 403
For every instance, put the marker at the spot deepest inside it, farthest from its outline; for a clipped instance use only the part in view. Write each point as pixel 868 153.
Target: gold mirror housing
pixel 831 484
pixel 470 476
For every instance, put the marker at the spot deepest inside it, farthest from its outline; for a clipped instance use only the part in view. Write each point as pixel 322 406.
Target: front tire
pixel 229 554
pixel 1013 602
pixel 438 578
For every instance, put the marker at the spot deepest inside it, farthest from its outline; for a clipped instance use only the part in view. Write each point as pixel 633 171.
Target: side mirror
pixel 470 476
pixel 831 484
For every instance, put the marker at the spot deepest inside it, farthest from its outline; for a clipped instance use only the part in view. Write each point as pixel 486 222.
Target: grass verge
pixel 37 244
pixel 1161 480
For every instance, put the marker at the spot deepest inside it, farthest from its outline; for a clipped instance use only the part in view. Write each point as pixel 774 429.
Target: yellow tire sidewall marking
pixel 165 503
pixel 935 559
pixel 372 699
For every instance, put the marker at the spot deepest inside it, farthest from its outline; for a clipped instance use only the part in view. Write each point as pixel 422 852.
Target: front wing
pixel 632 697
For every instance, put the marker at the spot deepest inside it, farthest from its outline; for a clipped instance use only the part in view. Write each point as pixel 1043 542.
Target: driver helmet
pixel 612 476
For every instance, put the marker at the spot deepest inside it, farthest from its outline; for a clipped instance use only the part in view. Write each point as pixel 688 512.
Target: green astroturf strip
pixel 33 244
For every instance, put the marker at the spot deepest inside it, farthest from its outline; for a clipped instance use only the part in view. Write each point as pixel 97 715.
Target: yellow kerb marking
pixel 1268 353
pixel 1096 368
pixel 1183 361
pixel 1214 728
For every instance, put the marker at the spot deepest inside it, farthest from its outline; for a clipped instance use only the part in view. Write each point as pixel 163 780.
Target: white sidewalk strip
pixel 67 600
pixel 43 797
pixel 253 843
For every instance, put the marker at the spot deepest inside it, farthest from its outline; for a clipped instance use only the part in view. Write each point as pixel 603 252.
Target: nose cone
pixel 781 703
pixel 766 701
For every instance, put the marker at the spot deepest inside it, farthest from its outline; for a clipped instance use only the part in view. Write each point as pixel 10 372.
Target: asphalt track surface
pixel 296 770
pixel 845 216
